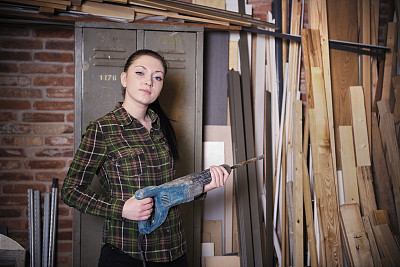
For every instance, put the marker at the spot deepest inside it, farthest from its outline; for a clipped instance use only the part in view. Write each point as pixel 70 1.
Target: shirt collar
pixel 125 119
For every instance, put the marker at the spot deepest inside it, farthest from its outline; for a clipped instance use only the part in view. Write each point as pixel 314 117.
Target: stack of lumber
pixel 337 158
pixel 137 10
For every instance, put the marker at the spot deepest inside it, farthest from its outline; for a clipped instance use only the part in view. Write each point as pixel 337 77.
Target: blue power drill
pixel 173 193
pixel 178 191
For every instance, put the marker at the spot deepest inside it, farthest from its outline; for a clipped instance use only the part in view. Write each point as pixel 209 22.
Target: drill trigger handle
pixel 160 211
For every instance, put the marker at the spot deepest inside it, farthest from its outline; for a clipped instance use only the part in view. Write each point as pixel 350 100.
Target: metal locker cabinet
pixel 101 50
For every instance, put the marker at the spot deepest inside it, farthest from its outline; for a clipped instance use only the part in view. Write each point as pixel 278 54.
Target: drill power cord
pixel 140 238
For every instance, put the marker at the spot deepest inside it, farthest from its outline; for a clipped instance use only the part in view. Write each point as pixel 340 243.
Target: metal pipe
pixel 30 228
pixel 53 220
pixel 37 226
pixel 46 225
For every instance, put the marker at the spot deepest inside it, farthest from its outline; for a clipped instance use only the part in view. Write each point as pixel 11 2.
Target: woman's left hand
pixel 219 175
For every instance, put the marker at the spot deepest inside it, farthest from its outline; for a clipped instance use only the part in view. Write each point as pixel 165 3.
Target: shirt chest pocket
pixel 128 163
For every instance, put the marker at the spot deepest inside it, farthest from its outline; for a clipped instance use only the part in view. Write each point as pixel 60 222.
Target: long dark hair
pixel 165 122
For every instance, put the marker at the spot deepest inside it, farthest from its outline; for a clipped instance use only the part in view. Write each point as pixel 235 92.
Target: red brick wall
pixel 36 124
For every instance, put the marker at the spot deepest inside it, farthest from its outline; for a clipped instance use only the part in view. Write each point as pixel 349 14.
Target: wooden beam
pixel 355 236
pixel 391 148
pixel 382 183
pixel 319 21
pixel 359 126
pixel 298 256
pixel 248 125
pixel 372 241
pixel 396 87
pixel 241 181
pixel 203 11
pixel 307 198
pixel 387 90
pixel 107 10
pixel 269 177
pixel 383 247
pixel 38 3
pixel 342 25
pixel 388 242
pixel 366 61
pixel 366 189
pixel 324 179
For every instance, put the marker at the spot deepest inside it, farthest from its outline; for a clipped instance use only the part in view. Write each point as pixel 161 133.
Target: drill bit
pixel 247 162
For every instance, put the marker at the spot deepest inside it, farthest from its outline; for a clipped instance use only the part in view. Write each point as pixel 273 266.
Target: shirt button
pixel 153 147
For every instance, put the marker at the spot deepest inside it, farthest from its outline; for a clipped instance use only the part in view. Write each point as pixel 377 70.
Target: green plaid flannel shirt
pixel 125 157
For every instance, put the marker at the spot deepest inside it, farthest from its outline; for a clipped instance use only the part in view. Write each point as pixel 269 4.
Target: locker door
pixel 104 52
pixel 180 99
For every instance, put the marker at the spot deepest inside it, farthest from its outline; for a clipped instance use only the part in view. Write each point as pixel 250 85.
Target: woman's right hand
pixel 137 210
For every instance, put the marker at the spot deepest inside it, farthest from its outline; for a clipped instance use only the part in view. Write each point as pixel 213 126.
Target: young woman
pixel 130 148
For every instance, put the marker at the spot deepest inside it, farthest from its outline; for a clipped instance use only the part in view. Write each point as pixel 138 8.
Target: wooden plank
pixel 107 10
pixel 359 126
pixel 319 20
pixel 290 221
pixel 390 146
pixel 382 184
pixel 284 213
pixel 311 50
pixel 383 247
pixel 325 184
pixel 38 3
pixel 367 195
pixel 372 242
pixel 269 177
pixel 391 244
pixel 366 61
pixel 378 93
pixel 354 233
pixel 220 4
pixel 307 198
pixel 248 125
pixel 374 41
pixel 241 182
pixel 46 10
pixel 396 87
pixel 387 89
pixel 293 76
pixel 346 248
pixel 298 257
pixel 233 55
pixel 342 25
pixel 348 165
pixel 197 11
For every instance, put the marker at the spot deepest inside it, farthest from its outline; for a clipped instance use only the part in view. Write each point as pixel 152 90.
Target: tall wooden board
pixel 342 25
pixel 324 178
